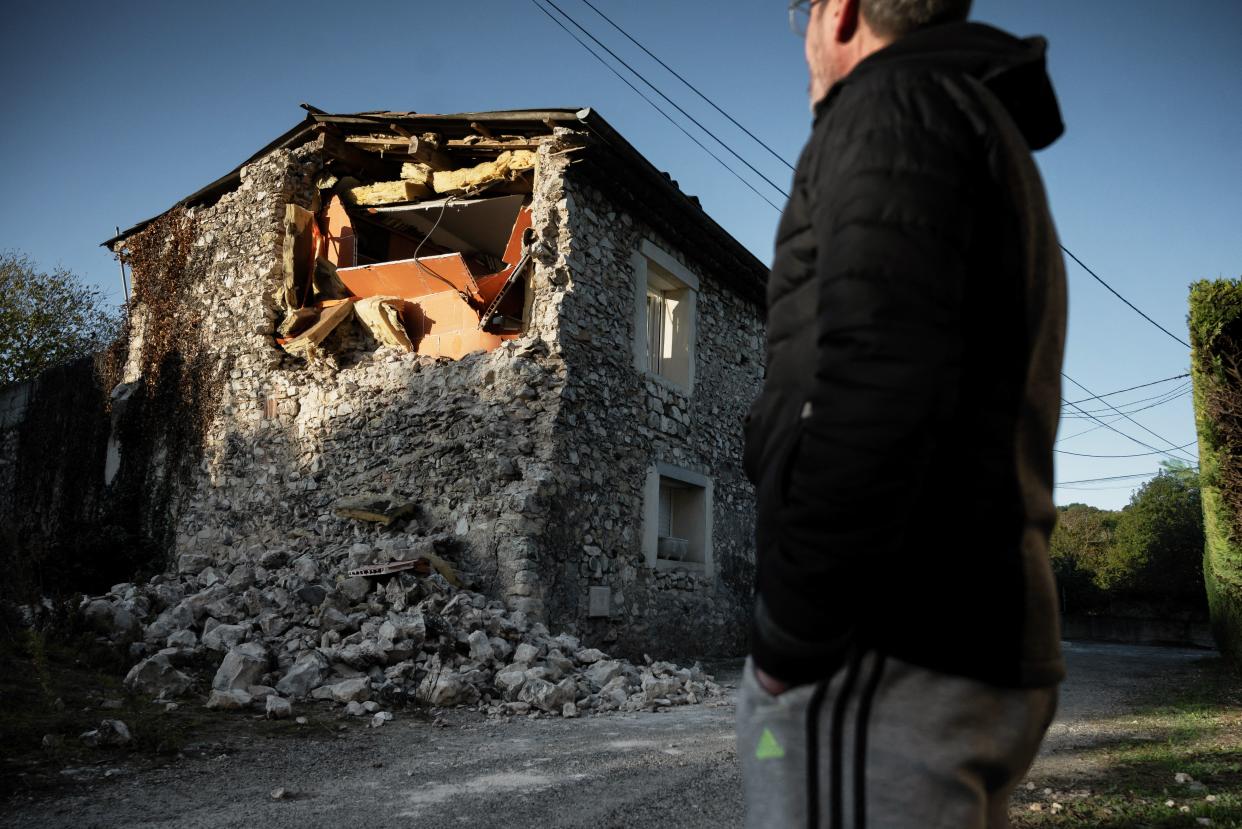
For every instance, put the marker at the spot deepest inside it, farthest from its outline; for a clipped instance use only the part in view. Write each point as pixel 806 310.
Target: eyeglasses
pixel 800 16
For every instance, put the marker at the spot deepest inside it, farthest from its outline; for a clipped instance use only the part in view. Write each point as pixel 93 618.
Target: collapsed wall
pixel 465 442
pixel 520 470
pixel 526 465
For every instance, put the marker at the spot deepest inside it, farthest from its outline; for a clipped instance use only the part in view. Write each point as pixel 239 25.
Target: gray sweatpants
pixel 942 752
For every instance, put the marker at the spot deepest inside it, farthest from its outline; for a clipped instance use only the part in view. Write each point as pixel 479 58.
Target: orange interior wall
pixel 442 325
pixel 439 321
pixel 408 278
pixel 340 232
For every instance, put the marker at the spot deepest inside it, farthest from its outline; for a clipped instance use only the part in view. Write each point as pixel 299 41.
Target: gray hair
pixel 897 18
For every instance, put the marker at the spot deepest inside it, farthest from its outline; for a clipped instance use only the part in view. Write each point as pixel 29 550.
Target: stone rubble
pixel 109 733
pixel 365 643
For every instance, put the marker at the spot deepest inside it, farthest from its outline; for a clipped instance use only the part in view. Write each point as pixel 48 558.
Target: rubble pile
pixel 285 629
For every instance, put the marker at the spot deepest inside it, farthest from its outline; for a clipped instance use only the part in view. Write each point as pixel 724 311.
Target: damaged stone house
pixel 500 343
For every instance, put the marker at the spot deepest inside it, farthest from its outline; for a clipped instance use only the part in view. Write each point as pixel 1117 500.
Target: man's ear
pixel 848 22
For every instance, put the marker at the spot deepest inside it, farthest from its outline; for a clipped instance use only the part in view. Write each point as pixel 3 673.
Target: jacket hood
pixel 1014 69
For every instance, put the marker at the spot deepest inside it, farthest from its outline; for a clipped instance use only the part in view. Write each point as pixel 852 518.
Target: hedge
pixel 1216 369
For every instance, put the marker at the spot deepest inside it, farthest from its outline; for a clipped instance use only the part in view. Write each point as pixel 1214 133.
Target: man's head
pixel 843 32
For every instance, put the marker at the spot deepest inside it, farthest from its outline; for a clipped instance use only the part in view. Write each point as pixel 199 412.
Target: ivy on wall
pixel 164 429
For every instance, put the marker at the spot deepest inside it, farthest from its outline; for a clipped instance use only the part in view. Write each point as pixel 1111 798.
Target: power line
pixel 670 101
pixel 777 155
pixel 1139 455
pixel 1123 414
pixel 1067 251
pixel 692 87
pixel 1129 488
pixel 1120 297
pixel 1110 428
pixel 755 138
pixel 1102 425
pixel 656 106
pixel 1159 401
pixel 1132 388
pixel 1166 397
pixel 1111 478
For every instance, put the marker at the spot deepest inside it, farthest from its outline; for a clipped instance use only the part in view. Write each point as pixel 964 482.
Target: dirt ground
pixel 674 768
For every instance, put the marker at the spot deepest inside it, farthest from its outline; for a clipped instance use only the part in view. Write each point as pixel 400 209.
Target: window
pixel 677 529
pixel 664 316
pixel 681 513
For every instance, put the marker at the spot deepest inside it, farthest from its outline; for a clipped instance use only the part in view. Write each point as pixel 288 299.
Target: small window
pixel 678 528
pixel 665 330
pixel 682 519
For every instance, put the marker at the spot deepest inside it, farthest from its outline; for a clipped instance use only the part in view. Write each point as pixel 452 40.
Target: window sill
pixel 673 385
pixel 690 566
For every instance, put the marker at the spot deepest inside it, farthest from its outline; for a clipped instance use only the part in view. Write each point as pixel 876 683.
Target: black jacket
pixel 902 444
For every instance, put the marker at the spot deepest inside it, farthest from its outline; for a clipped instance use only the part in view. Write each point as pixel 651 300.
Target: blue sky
pixel 114 111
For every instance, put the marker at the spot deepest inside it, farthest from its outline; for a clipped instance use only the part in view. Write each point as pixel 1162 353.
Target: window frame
pixel 676 278
pixel 651 517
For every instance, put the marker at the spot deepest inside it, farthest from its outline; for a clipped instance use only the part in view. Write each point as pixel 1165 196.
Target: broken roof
pixel 611 163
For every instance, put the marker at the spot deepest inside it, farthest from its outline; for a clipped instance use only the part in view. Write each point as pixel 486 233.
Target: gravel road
pixel 673 768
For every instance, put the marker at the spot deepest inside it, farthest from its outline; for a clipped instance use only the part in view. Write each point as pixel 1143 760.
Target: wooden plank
pixel 306 344
pixel 501 144
pixel 378 143
pixel 424 151
pixel 369 164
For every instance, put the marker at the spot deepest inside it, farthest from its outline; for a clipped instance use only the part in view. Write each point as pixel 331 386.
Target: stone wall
pixel 617 422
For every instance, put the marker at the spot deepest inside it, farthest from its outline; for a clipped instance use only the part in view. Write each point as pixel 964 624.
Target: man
pixel 902 445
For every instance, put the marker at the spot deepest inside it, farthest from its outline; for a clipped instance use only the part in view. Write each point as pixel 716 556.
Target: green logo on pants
pixel 768 748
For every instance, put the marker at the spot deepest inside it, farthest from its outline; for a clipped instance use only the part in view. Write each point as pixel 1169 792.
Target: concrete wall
pixel 1139 630
pixel 54 507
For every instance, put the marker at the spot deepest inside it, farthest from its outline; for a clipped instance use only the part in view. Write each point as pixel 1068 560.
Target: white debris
pixel 229 700
pixel 109 733
pixel 278 708
pixel 157 677
pixel 291 626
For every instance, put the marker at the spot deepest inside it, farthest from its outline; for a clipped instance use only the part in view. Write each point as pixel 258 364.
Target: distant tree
pixel 1157 548
pixel 1079 546
pixel 48 318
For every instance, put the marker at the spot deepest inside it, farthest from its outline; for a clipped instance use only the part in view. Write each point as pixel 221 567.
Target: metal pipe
pixel 121 262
